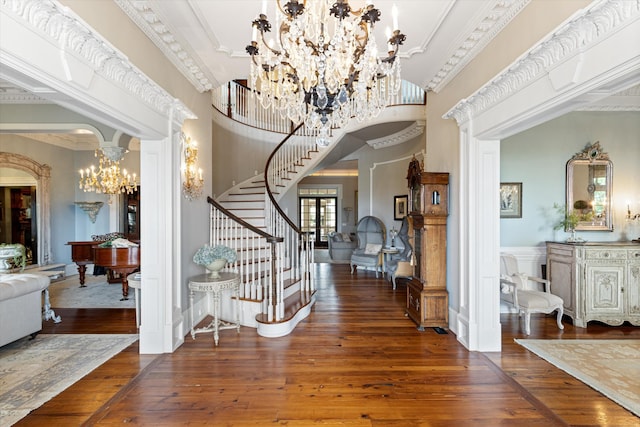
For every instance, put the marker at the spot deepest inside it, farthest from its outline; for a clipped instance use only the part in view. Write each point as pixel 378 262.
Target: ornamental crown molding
pixel 592 24
pixel 11 94
pixel 62 27
pixel 22 98
pixel 496 19
pixel 625 100
pixel 143 15
pixel 406 134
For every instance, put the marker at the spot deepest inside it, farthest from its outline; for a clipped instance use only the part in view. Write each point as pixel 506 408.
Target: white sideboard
pixel 597 280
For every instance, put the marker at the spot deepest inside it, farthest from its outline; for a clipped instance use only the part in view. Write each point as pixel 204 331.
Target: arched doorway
pixel 41 175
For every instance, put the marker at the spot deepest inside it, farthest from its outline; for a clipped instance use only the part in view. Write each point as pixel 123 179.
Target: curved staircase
pixel 274 257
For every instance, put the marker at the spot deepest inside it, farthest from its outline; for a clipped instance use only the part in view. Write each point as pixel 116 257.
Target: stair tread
pixel 292 305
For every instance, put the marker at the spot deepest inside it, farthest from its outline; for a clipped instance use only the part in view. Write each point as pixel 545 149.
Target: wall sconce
pixel 632 217
pixel 192 180
pixel 347 213
pixel 629 216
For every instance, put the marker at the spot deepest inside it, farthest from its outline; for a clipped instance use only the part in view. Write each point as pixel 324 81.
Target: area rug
pixel 611 367
pixel 34 371
pixel 97 294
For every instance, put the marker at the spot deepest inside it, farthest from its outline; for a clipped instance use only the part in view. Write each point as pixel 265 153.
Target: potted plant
pixel 214 258
pixel 569 220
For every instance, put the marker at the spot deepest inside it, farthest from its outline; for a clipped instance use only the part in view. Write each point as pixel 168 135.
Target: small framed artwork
pixel 400 205
pixel 510 200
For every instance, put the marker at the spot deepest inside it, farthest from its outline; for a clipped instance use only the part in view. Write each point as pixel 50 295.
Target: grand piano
pixel 119 261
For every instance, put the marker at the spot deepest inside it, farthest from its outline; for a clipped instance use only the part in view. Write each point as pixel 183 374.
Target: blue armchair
pixel 371 237
pixel 401 264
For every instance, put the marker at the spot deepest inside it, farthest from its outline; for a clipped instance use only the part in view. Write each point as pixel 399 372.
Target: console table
pixel 213 287
pixel 596 280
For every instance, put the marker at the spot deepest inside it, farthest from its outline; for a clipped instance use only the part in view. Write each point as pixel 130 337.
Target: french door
pixel 318 216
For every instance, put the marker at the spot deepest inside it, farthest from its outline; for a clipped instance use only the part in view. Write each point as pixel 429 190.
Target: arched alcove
pixel 42 174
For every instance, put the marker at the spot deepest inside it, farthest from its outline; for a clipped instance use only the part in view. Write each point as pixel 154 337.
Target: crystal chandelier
pixel 192 175
pixel 323 66
pixel 108 178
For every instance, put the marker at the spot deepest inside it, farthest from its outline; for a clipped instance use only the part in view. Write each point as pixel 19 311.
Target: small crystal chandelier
pixel 108 178
pixel 192 175
pixel 323 67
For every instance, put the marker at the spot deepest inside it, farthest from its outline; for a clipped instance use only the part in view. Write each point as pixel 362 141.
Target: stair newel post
pixel 312 283
pixel 273 285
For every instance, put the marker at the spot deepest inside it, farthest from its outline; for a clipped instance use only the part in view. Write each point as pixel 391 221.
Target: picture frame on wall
pixel 400 207
pixel 510 200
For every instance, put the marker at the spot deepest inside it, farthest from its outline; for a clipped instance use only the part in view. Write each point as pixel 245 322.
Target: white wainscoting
pixel 530 259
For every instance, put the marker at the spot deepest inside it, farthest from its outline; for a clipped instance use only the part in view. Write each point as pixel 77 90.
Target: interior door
pixel 318 216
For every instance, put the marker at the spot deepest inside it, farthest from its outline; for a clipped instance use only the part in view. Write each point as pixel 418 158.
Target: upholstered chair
pixel 371 234
pixel 341 245
pixel 400 264
pixel 525 292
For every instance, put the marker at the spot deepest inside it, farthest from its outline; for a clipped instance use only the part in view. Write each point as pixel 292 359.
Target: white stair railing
pixel 239 103
pixel 259 260
pixel 290 154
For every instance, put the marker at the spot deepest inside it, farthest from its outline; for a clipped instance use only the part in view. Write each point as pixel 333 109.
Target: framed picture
pixel 510 200
pixel 400 205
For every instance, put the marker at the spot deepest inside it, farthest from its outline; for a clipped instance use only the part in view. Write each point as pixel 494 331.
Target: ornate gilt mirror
pixel 589 184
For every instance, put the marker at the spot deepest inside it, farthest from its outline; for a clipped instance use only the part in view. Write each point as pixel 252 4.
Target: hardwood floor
pixel 355 361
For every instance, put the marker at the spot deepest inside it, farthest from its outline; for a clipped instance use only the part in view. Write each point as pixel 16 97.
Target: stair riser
pixel 243 204
pixel 226 236
pixel 250 195
pixel 247 213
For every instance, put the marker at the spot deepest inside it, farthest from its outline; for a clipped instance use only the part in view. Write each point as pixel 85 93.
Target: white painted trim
pixel 42 175
pixel 56 55
pixel 414 130
pixel 553 77
pixel 53 127
pixel 281 329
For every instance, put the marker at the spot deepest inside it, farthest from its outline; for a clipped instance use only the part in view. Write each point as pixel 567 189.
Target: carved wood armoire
pixel 427 296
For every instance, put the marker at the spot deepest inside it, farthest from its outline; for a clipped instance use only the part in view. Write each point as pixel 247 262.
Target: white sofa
pixel 21 305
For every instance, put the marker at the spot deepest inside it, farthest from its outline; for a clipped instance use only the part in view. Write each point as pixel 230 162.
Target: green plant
pixel 570 219
pixel 207 254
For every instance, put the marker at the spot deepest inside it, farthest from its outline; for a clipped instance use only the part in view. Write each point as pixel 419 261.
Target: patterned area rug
pixel 34 371
pixel 611 367
pixel 97 294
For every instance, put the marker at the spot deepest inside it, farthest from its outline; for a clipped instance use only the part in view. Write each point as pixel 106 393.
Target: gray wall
pixel 382 174
pixel 538 157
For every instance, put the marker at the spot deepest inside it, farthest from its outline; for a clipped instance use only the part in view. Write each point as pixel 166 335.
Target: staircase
pixel 274 256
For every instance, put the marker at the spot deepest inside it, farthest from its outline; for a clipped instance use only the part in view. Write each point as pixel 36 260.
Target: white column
pixel 478 318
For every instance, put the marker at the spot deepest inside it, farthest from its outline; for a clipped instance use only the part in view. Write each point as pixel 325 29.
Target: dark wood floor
pixel 355 361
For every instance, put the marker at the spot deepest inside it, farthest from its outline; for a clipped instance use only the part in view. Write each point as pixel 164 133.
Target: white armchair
pixel 525 298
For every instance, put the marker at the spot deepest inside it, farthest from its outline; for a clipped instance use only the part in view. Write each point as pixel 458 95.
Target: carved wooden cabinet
pixel 427 296
pixel 131 214
pixel 597 281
